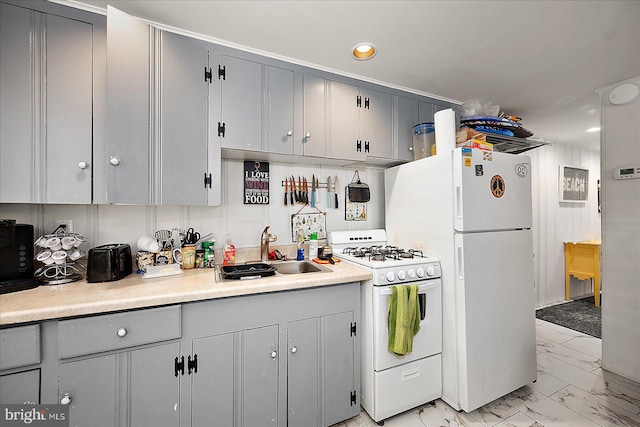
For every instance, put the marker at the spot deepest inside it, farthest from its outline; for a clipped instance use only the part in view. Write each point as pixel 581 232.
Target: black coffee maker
pixel 16 256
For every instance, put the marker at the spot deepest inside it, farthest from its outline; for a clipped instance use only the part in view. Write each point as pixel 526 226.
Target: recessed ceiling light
pixel 364 51
pixel 595 129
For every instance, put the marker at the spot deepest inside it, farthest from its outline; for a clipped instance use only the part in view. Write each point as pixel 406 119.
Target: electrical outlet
pixel 67 223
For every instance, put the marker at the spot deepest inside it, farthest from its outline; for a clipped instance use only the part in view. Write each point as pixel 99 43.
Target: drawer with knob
pixel 87 335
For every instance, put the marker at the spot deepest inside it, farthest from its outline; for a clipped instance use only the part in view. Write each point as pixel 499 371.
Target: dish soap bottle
pixel 300 239
pixel 229 253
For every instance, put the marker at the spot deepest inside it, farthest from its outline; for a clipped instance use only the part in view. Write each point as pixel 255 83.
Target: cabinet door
pixel 339 368
pixel 279 111
pixel 128 117
pixel 425 113
pixel 314 138
pixel 242 104
pixel 92 386
pixel 303 373
pixel 344 136
pixel 376 123
pixel 69 79
pixel 183 121
pixel 20 388
pixel 17 139
pixel 154 390
pixel 213 388
pixel 259 376
pixel 404 131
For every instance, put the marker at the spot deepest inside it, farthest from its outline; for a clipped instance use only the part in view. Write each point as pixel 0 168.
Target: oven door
pixel 426 342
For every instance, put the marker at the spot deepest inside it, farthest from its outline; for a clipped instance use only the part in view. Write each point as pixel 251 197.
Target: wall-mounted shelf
pixel 512 144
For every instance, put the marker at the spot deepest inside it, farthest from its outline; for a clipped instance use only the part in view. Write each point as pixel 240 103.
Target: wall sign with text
pixel 573 185
pixel 256 183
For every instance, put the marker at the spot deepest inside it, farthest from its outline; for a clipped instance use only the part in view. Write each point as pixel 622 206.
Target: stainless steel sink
pixel 299 267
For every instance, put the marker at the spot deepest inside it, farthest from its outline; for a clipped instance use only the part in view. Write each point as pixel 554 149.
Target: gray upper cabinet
pixel 46 108
pixel 183 121
pixel 361 123
pixel 160 143
pixel 404 132
pixel 241 120
pixel 279 110
pixel 314 130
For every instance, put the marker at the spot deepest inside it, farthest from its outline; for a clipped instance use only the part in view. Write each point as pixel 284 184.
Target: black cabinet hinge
pixel 207 74
pixel 358 101
pixel 221 128
pixel 358 145
pixel 178 366
pixel 207 180
pixel 192 364
pixel 352 397
pixel 366 103
pixel 366 146
pixel 353 329
pixel 222 72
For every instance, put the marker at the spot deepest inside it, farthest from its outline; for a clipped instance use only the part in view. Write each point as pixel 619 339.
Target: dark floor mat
pixel 580 315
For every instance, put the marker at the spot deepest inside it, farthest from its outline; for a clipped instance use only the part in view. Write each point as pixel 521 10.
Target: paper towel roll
pixel 445 124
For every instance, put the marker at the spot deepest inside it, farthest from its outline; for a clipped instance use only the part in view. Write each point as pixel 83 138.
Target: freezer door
pixel 495 315
pixel 491 191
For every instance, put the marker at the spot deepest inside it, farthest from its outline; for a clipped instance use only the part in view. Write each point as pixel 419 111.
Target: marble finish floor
pixel 572 390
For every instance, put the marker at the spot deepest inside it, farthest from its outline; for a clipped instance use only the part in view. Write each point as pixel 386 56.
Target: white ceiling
pixel 540 60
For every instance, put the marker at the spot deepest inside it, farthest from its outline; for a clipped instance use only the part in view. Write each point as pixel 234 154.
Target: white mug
pixel 148 244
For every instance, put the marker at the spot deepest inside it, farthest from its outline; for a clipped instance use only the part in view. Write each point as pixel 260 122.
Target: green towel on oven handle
pixel 404 318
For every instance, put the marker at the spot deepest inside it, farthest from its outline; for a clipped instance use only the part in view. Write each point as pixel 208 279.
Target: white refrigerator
pixel 472 210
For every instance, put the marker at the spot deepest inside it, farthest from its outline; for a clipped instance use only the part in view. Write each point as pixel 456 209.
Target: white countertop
pixel 82 298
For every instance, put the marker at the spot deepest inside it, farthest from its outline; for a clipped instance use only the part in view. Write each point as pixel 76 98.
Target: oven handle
pixel 421 289
pixel 422 297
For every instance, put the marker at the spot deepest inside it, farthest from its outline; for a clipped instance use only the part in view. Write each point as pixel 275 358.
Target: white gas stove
pixel 392 383
pixel 390 264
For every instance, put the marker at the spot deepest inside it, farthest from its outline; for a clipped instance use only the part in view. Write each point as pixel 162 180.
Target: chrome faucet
pixel 265 239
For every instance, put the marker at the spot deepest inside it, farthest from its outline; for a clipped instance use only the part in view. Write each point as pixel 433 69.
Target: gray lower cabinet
pixel 20 387
pixel 237 379
pixel 274 359
pixel 20 357
pixel 46 108
pixel 132 388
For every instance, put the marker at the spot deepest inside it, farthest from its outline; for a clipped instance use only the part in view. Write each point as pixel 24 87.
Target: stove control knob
pixel 411 273
pixel 420 272
pixel 402 275
pixel 431 271
pixel 390 276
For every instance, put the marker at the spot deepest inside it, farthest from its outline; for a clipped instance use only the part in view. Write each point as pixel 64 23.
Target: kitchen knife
pixel 329 195
pixel 292 185
pixel 286 191
pixel 305 190
pixel 300 198
pixel 313 191
pixel 336 191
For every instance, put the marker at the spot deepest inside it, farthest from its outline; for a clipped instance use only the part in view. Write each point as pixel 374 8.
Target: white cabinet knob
pixel 290 133
pixel 66 399
pixel 122 332
pixel 273 354
pixel 83 165
pixel 294 349
pixel 307 135
pixel 410 148
pixel 115 160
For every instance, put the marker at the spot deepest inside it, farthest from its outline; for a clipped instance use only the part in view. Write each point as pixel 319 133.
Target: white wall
pixel 620 147
pixel 557 222
pixel 103 224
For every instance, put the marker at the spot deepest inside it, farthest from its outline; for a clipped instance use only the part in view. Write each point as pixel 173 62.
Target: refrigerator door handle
pixel 459 202
pixel 460 263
